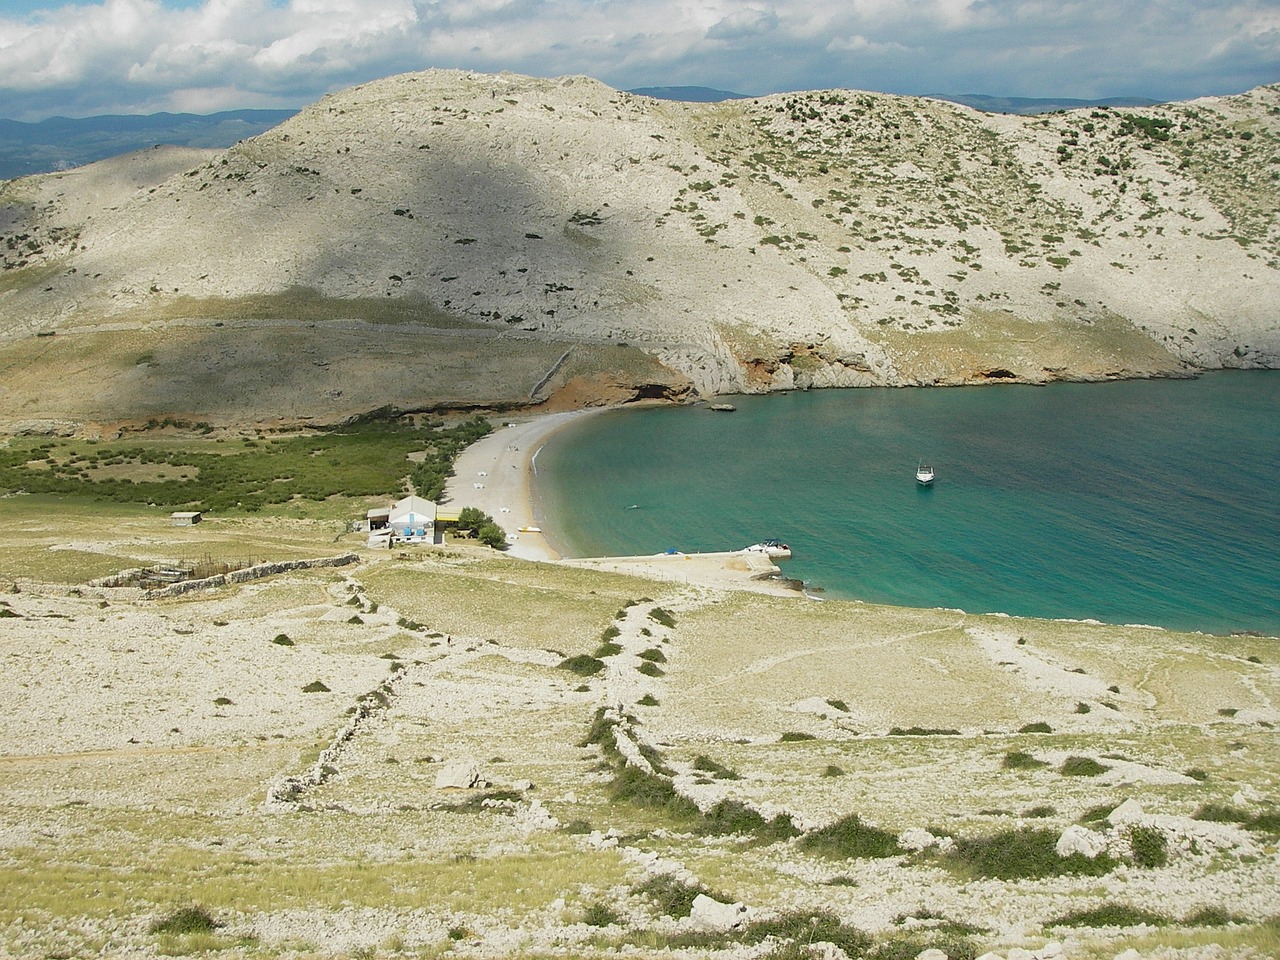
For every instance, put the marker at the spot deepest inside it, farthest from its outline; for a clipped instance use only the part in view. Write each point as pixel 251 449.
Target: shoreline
pixel 498 474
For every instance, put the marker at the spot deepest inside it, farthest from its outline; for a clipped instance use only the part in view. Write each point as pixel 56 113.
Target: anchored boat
pixel 770 548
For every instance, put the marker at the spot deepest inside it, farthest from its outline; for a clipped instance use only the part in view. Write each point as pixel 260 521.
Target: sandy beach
pixel 497 475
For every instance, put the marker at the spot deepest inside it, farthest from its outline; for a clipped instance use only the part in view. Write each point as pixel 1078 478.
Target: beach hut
pixel 413 519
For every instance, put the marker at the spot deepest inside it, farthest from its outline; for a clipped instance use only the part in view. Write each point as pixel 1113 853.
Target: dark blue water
pixel 1137 502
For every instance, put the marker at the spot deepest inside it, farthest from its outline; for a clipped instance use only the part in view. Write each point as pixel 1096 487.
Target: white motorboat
pixel 770 548
pixel 924 474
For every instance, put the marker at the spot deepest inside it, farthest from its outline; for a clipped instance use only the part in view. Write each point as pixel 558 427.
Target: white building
pixel 409 520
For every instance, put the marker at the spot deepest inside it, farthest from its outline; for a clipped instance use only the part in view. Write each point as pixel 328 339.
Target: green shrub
pixel 1097 814
pixel 650 669
pixel 831 770
pixel 1018 760
pixel 601 734
pixel 1195 773
pixel 222 702
pixel 608 650
pixel 577 827
pixel 193 919
pixel 1268 823
pixel 705 764
pixel 1082 707
pixel 648 700
pixel 838 705
pixel 909 946
pixel 610 632
pixel 600 915
pixel 1040 812
pixel 802 928
pixel 1021 854
pixel 1038 727
pixel 315 686
pixel 1212 917
pixel 795 736
pixel 492 535
pixel 923 732
pixel 852 839
pixel 644 789
pixel 671 897
pixel 1110 915
pixel 1149 846
pixel 653 654
pixel 282 639
pixel 582 665
pixel 1220 813
pixel 664 617
pixel 733 816
pixel 1081 767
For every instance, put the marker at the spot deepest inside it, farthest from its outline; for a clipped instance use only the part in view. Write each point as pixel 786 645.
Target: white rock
pixel 1130 954
pixel 1244 795
pixel 709 914
pixel 1017 953
pixel 1128 812
pixel 916 839
pixel 1081 840
pixel 600 842
pixel 458 774
pixel 1049 951
pixel 991 956
pixel 933 953
pixel 535 817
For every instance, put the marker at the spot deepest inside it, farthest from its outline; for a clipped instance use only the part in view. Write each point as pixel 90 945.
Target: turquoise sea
pixel 1149 502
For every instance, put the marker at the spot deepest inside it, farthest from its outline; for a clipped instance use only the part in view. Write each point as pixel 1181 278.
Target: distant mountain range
pixel 1026 106
pixel 61 142
pixel 690 94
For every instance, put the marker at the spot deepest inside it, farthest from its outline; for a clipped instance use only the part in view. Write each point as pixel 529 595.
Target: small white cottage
pixel 409 520
pixel 413 519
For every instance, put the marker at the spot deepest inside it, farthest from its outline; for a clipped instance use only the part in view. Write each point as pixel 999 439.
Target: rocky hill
pixel 447 238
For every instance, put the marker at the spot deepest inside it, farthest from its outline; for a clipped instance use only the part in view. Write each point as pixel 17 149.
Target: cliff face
pixel 456 238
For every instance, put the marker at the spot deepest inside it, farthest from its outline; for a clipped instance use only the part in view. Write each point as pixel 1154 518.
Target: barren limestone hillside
pixel 452 238
pixel 447 752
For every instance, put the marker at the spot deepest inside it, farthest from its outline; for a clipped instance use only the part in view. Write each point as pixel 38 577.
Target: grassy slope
pixel 102 835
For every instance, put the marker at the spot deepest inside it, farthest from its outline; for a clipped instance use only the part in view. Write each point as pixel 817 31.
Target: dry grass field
pixel 142 740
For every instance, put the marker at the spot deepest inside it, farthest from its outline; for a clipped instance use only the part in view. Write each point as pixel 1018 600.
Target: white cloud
pixel 861 45
pixel 144 55
pixel 742 24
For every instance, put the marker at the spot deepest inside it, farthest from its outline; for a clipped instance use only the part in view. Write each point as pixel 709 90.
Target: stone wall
pixel 256 572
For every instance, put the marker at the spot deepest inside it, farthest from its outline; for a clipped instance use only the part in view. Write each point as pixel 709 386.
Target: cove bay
pixel 1148 502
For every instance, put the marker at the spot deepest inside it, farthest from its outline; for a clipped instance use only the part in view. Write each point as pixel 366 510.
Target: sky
pixel 84 58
